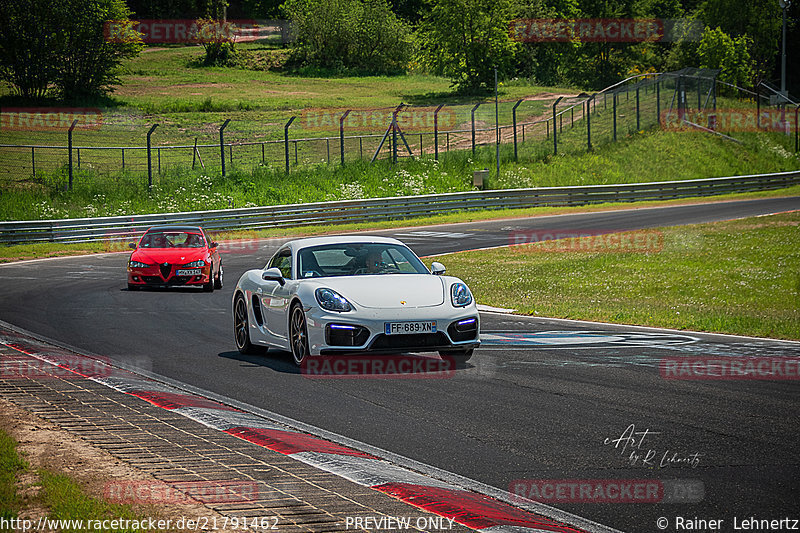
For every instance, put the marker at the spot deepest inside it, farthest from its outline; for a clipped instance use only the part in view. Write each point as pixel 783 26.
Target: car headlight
pixel 195 264
pixel 460 295
pixel 331 300
pixel 138 264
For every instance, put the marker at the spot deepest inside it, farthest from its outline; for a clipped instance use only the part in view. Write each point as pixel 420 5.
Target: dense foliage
pixel 349 35
pixel 60 46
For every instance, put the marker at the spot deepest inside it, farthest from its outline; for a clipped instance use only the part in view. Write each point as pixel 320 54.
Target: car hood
pixel 169 255
pixel 390 291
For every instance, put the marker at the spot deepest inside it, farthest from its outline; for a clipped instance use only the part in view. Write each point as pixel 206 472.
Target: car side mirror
pixel 214 244
pixel 273 274
pixel 437 269
pixel 132 245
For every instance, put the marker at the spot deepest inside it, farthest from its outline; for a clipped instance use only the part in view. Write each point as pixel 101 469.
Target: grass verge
pixel 10 465
pixel 739 277
pixel 646 157
pixel 46 250
pixel 68 501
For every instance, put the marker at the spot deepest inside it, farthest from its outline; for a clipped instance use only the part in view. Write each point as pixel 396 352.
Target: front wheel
pixel 218 279
pixel 241 328
pixel 209 287
pixel 460 357
pixel 298 334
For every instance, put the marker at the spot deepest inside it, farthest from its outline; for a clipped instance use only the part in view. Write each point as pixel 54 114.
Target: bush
pixel 354 35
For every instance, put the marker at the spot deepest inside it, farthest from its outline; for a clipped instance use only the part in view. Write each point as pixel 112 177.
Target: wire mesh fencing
pixel 60 142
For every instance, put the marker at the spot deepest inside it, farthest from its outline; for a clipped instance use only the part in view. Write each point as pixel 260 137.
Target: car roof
pixel 340 239
pixel 175 228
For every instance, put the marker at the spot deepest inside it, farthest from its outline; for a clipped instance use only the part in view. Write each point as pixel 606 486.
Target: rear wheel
pixel 241 328
pixel 298 334
pixel 460 357
pixel 218 279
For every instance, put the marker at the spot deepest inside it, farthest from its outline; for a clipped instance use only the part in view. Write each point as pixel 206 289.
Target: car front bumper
pixel 154 277
pixel 365 331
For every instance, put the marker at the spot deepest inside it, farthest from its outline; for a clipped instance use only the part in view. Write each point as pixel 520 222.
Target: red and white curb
pixel 472 509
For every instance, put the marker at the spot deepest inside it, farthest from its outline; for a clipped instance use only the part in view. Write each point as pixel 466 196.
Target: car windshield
pixel 172 239
pixel 357 259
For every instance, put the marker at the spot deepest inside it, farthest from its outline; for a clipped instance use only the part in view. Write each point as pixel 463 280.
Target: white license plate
pixel 188 272
pixel 409 328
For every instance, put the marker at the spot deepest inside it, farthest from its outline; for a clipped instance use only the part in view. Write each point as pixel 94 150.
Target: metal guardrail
pixel 122 228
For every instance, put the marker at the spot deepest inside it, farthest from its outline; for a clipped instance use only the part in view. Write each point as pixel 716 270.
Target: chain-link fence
pixel 36 142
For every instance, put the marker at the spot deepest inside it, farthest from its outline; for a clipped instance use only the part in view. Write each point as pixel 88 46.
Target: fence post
pixel 394 137
pixel 33 160
pixel 555 134
pixel 69 146
pixel 637 108
pixel 149 159
pixel 614 108
pixel 796 130
pixel 715 93
pixel 341 133
pixel 473 127
pixel 514 120
pixel 658 102
pixel 589 124
pixel 436 132
pixel 758 106
pixel 222 144
pixel 286 142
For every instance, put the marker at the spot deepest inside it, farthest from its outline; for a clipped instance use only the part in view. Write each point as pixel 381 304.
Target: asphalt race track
pixel 541 399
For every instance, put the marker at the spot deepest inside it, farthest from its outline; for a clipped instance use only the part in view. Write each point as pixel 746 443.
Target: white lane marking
pixel 434 234
pixel 505 528
pixel 611 327
pixel 490 309
pixel 128 385
pixel 223 420
pixel 367 472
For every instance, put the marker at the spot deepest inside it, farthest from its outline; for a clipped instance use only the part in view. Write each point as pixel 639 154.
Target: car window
pixel 172 239
pixel 354 259
pixel 283 262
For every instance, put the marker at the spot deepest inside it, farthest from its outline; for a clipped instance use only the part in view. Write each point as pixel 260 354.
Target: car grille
pixel 410 342
pixel 175 280
pixel 165 269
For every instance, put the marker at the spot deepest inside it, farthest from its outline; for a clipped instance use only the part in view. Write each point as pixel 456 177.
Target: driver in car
pixel 374 262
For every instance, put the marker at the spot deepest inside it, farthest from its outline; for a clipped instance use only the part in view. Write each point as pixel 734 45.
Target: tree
pixel 28 35
pixel 758 20
pixel 61 45
pixel 466 39
pixel 88 59
pixel 719 50
pixel 360 35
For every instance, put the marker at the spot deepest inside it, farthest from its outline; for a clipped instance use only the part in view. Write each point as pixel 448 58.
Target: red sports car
pixel 168 256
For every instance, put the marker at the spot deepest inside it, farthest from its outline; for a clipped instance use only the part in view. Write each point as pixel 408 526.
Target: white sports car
pixel 353 294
